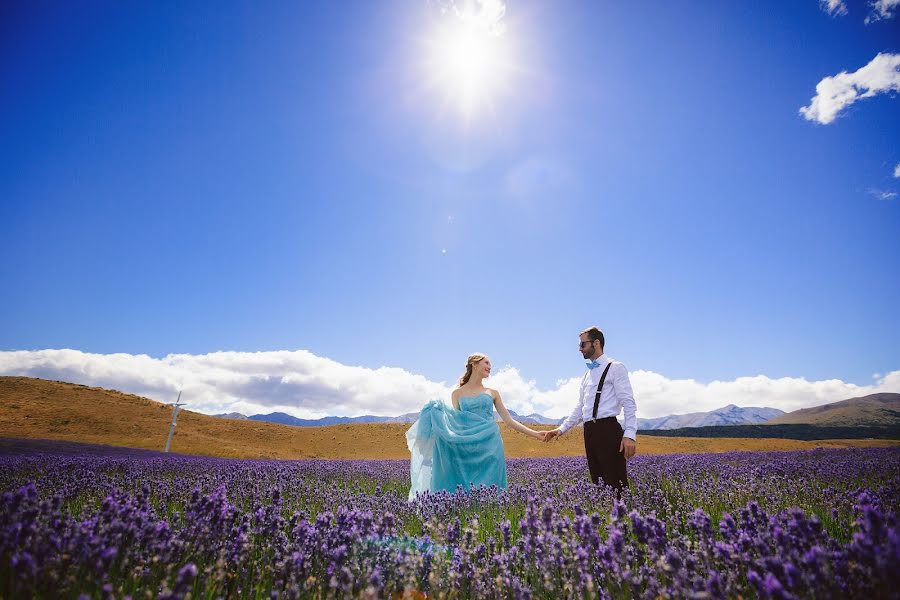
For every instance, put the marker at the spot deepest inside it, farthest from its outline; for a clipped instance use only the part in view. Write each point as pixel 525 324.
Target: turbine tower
pixel 177 405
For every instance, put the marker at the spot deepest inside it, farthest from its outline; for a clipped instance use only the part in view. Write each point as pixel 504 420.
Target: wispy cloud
pixel 882 9
pixel 305 385
pixel 486 14
pixel 882 194
pixel 833 7
pixel 897 170
pixel 835 93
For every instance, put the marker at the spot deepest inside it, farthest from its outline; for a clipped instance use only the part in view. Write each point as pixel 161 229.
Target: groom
pixel 605 391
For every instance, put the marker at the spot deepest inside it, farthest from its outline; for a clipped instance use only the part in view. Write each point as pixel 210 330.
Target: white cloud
pixel 833 7
pixel 298 382
pixel 487 14
pixel 897 170
pixel 660 396
pixel 308 386
pixel 834 94
pixel 882 9
pixel 524 397
pixel 882 194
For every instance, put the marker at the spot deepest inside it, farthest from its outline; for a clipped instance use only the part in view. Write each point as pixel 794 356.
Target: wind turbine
pixel 177 405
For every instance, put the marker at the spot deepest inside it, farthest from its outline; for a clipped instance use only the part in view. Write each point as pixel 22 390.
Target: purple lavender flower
pixel 100 524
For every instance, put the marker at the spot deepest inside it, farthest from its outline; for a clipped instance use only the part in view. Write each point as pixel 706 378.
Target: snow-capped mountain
pixel 727 415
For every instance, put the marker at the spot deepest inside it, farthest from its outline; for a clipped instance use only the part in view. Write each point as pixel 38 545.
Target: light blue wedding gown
pixel 452 447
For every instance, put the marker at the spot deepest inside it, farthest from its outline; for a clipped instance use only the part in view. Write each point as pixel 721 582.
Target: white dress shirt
pixel 616 396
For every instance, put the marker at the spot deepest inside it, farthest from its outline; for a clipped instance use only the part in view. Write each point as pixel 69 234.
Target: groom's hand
pixel 549 435
pixel 628 446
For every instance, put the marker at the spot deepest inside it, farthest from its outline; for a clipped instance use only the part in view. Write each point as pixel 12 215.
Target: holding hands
pixel 546 436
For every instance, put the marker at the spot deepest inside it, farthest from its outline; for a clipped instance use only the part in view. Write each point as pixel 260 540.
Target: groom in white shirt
pixel 605 392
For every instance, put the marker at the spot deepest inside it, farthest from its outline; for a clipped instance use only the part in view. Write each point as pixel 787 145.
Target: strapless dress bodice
pixel 482 404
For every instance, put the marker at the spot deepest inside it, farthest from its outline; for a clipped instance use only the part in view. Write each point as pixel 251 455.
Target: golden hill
pixel 41 409
pixel 875 409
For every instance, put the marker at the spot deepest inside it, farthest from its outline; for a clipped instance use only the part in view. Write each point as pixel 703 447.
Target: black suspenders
pixel 600 389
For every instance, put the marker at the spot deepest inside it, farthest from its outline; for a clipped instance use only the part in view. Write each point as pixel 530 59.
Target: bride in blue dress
pixel 461 445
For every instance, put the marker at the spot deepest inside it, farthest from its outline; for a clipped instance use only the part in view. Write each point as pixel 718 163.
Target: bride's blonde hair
pixel 472 360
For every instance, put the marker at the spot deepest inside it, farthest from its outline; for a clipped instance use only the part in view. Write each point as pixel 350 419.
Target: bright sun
pixel 468 63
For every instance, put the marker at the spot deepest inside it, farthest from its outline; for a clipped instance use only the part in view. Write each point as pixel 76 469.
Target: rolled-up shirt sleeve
pixel 625 396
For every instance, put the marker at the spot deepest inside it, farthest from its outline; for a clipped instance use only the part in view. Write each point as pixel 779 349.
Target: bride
pixel 462 445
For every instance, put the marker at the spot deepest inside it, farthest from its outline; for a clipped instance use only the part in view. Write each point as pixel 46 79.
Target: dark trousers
pixel 601 444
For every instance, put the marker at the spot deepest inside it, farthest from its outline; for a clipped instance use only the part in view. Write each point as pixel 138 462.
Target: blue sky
pixel 193 178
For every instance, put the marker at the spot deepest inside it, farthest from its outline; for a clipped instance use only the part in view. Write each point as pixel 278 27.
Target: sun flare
pixel 469 64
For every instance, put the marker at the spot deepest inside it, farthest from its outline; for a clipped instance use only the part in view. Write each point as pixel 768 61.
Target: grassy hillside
pixel 873 410
pixel 40 409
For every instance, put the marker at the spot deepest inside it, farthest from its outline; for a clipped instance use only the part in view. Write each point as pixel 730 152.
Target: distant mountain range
pixel 872 410
pixel 728 415
pixel 286 419
pixel 39 409
pixel 232 415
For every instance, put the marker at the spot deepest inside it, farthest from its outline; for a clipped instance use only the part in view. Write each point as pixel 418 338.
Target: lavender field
pixel 85 520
